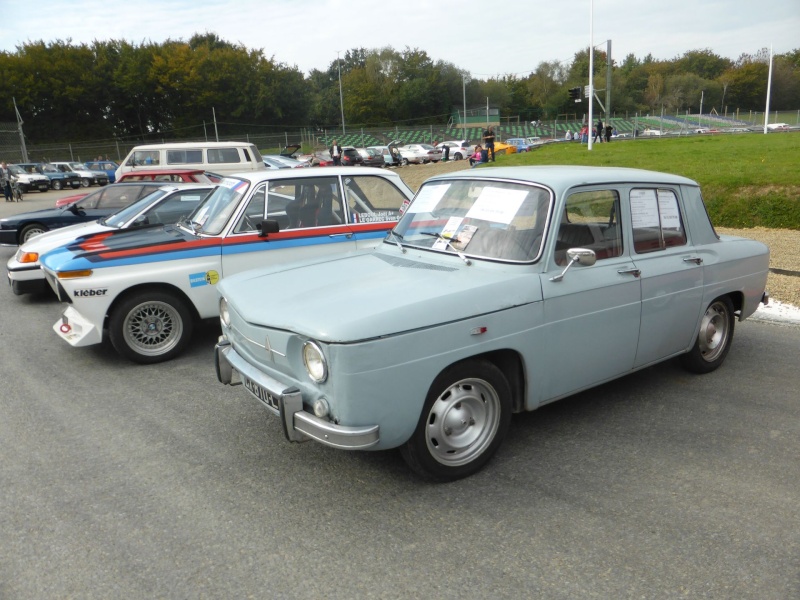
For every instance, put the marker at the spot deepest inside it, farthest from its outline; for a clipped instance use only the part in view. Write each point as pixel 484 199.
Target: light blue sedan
pixel 497 292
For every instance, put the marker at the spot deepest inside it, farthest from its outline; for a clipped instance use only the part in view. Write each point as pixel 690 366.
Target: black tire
pixel 464 420
pixel 86 182
pixel 403 162
pixel 714 339
pixel 150 327
pixel 25 189
pixel 75 184
pixel 55 185
pixel 30 230
pixel 457 156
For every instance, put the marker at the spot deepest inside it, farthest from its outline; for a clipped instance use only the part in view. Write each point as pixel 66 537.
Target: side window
pixel 184 157
pixel 657 222
pixel 306 202
pixel 253 214
pixel 590 220
pixel 145 158
pixel 372 199
pixel 223 155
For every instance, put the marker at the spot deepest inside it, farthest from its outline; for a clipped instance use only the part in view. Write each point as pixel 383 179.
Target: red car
pixel 170 175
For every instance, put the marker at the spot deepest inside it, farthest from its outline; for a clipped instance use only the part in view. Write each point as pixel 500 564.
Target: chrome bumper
pixel 298 425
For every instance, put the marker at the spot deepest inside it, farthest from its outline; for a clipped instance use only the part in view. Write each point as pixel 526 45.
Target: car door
pixel 671 273
pixel 309 212
pixel 592 314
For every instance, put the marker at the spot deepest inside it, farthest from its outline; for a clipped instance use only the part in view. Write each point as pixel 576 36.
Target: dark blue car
pixel 109 167
pixel 18 229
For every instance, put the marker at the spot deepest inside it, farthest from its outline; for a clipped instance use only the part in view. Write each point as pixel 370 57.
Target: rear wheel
pixel 86 182
pixel 464 420
pixel 714 339
pixel 55 184
pixel 31 231
pixel 458 156
pixel 150 327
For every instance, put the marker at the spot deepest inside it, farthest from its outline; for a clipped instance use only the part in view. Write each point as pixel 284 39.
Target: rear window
pixel 223 155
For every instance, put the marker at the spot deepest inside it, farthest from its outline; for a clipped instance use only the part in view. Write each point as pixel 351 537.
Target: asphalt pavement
pixel 127 481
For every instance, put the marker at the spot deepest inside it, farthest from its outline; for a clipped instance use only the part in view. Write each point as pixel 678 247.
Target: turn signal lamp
pixel 29 257
pixel 74 274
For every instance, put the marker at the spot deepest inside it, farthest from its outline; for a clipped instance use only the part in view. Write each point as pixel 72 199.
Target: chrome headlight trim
pixel 314 361
pixel 224 314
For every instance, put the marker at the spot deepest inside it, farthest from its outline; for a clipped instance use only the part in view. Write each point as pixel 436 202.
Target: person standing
pixel 598 132
pixel 609 129
pixel 5 181
pixel 488 141
pixel 336 153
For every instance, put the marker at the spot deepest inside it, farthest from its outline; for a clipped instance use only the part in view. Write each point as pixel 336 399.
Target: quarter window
pixel 656 218
pixel 222 155
pixel 372 199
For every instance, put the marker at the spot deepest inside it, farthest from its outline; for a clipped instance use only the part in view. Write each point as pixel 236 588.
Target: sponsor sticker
pixel 205 278
pixel 90 293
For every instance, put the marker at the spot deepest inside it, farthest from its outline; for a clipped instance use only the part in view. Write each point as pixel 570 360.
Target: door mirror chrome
pixel 582 256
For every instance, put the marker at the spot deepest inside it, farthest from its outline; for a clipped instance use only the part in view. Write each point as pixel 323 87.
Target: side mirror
pixel 582 256
pixel 268 226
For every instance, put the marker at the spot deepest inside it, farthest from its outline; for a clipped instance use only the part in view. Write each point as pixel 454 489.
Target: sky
pixel 484 38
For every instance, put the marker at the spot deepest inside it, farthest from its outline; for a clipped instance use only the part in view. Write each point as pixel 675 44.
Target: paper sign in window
pixel 428 198
pixel 668 207
pixel 644 209
pixel 497 205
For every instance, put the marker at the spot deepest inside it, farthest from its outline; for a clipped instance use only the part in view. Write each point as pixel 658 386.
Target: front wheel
pixel 714 340
pixel 56 184
pixel 31 231
pixel 86 182
pixel 458 156
pixel 150 327
pixel 464 420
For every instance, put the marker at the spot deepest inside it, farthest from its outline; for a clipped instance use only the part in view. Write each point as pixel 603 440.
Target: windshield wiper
pixel 449 242
pixel 397 239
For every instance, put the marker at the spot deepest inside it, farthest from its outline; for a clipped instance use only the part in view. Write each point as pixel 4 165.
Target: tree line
pixel 116 89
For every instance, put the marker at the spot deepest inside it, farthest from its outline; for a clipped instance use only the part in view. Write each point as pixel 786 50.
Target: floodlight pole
pixel 464 90
pixel 591 72
pixel 341 96
pixel 769 89
pixel 21 135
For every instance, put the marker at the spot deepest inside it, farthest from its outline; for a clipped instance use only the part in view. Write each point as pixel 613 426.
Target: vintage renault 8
pixel 497 292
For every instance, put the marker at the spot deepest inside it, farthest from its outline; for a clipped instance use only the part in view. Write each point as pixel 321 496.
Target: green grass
pixel 748 180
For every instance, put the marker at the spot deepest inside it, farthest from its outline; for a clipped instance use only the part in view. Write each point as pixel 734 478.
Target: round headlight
pixel 224 315
pixel 314 361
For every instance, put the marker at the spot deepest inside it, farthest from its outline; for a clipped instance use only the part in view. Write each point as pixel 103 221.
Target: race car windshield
pixel 210 217
pixel 496 220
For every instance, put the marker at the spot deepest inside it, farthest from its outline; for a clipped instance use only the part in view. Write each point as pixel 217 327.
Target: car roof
pixel 167 171
pixel 563 177
pixel 259 176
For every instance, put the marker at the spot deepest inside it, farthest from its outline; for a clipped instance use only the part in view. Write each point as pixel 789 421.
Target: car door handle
pixel 335 235
pixel 694 259
pixel 635 272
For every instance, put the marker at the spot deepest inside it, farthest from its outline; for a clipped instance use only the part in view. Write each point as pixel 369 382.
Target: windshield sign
pixel 484 219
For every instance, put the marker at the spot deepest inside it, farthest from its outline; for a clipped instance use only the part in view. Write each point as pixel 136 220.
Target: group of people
pixel 599 132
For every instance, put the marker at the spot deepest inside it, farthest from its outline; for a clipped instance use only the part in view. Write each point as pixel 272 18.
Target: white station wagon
pixel 147 288
pixel 497 292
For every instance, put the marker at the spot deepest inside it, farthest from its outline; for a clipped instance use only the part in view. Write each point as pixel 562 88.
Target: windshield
pixel 16 170
pixel 119 218
pixel 49 169
pixel 213 213
pixel 479 218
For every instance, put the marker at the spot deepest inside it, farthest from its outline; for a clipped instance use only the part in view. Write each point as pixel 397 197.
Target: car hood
pixel 35 215
pixel 360 296
pixel 58 237
pixel 127 247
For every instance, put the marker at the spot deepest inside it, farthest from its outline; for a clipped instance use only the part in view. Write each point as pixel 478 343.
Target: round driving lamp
pixel 321 408
pixel 314 361
pixel 224 315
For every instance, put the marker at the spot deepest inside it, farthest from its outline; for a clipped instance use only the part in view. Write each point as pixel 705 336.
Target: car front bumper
pixel 299 425
pixel 27 280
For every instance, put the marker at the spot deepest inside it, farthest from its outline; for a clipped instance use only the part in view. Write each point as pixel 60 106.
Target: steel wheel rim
pixel 714 331
pixel 152 328
pixel 463 422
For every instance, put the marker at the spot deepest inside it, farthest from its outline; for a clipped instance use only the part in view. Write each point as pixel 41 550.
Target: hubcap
pixel 153 328
pixel 463 422
pixel 714 331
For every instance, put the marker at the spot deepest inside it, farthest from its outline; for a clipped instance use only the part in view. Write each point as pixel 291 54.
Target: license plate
pixel 259 392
